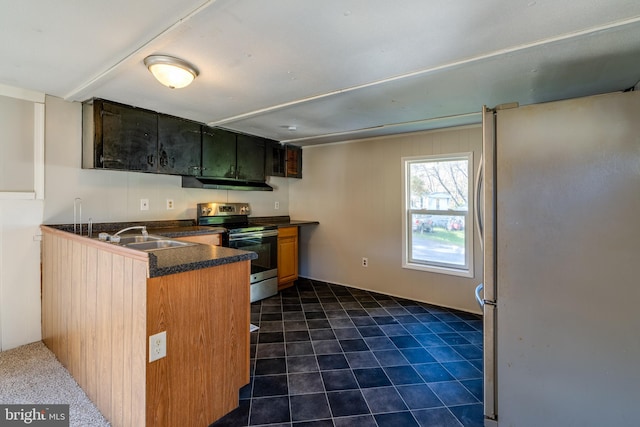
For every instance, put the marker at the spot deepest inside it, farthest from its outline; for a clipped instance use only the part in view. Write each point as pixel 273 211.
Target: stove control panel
pixel 223 209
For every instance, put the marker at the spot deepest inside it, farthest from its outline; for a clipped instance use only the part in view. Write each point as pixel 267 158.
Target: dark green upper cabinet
pixel 125 137
pixel 218 153
pixel 229 155
pixel 276 156
pixel 284 160
pixel 250 158
pixel 294 161
pixel 178 146
pixel 121 137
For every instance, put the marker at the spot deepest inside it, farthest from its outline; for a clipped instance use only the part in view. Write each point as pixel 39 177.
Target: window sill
pixel 439 270
pixel 17 195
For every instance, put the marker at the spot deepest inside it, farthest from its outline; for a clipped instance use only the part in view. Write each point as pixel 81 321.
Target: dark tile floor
pixel 329 355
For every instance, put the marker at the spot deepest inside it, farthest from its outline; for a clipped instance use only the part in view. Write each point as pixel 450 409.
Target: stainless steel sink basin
pixel 153 245
pixel 126 239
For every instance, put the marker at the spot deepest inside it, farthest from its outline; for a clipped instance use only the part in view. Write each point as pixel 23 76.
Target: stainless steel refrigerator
pixel 560 206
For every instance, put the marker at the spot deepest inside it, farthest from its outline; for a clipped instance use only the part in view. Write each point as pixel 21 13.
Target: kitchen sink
pixel 126 239
pixel 153 245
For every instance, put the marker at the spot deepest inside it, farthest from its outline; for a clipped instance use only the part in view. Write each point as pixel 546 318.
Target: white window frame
pixel 407 229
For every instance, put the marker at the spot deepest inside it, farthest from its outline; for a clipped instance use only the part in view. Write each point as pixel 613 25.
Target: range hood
pixel 223 184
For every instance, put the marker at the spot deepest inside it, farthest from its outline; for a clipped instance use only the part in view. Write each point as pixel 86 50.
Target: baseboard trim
pixel 390 294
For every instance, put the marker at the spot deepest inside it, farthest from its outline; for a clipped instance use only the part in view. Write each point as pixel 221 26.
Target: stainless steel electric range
pixel 261 239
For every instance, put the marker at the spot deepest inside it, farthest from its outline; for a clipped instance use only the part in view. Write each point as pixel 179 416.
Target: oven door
pixel 265 245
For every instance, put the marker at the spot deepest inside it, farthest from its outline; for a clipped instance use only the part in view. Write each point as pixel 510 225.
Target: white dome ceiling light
pixel 172 72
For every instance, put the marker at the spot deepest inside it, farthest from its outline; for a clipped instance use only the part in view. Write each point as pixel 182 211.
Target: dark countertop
pixel 181 227
pixel 280 221
pixel 178 260
pixel 163 262
pixel 294 222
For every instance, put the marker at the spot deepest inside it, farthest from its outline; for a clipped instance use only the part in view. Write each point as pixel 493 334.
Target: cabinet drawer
pixel 288 232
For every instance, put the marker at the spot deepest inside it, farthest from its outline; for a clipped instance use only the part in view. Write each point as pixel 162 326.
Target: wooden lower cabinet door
pixel 205 314
pixel 287 256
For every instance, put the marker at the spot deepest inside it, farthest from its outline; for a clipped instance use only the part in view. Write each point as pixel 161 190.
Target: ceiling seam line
pixel 505 51
pixel 115 66
pixel 386 126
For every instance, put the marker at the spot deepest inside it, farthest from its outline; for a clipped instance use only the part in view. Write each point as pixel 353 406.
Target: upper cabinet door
pixel 294 161
pixel 178 146
pixel 129 138
pixel 276 156
pixel 251 158
pixel 284 160
pixel 218 153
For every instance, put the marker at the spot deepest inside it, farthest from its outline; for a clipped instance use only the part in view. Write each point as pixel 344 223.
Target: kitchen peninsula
pixel 102 303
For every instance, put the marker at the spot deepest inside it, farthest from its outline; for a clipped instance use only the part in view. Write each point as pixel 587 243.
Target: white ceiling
pixel 334 69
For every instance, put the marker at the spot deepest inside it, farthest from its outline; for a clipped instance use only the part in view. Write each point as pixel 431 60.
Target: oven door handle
pixel 249 236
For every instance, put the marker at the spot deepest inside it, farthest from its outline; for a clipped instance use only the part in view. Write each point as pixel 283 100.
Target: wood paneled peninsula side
pixel 101 302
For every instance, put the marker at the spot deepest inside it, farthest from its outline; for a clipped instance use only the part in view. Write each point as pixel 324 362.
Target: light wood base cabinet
pixel 287 256
pixel 99 308
pixel 206 316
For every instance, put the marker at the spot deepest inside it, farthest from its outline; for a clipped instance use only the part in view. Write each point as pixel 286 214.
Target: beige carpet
pixel 31 374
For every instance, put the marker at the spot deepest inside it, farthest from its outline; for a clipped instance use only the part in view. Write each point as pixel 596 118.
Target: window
pixel 437 204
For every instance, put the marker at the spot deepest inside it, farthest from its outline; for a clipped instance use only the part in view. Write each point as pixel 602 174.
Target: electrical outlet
pixel 158 346
pixel 144 204
pixel 277 205
pixel 169 204
pixel 365 262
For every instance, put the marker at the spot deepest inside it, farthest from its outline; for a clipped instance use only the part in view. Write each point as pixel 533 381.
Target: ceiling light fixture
pixel 172 72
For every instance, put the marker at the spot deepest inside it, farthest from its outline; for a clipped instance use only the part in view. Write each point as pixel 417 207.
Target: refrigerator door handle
pixel 478 210
pixel 478 297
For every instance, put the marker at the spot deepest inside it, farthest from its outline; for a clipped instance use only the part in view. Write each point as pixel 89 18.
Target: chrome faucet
pixel 139 227
pixel 116 238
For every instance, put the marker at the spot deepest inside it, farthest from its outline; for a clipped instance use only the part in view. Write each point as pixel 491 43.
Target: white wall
pixel 110 196
pixel 354 190
pixel 19 272
pixel 21 140
pixel 16 144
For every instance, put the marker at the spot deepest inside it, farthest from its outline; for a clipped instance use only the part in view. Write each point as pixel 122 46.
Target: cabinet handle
pixel 164 159
pixel 150 160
